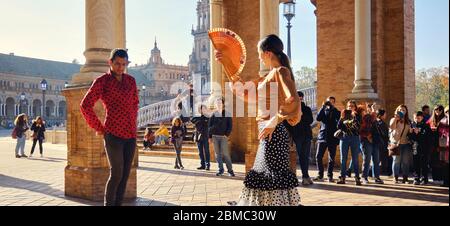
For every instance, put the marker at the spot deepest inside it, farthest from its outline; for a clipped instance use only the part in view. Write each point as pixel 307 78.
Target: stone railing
pixel 155 113
pixel 163 111
pixel 310 97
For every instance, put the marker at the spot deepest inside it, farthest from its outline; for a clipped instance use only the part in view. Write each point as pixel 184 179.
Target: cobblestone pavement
pixel 40 182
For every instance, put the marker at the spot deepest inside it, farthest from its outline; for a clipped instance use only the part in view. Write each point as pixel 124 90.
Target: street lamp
pixel 22 101
pixel 44 89
pixel 144 87
pixel 289 13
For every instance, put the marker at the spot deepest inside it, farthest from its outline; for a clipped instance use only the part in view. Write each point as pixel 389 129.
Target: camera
pixel 328 104
pixel 400 114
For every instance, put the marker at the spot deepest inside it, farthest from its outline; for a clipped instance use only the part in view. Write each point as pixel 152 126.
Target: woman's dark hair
pixel 346 114
pixel 273 43
pixel 406 117
pixel 20 120
pixel 121 53
pixel 381 113
pixel 148 131
pixel 436 119
pixel 360 109
pixel 38 118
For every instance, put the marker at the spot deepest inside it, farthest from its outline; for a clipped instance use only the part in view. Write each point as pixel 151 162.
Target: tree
pixel 432 87
pixel 305 77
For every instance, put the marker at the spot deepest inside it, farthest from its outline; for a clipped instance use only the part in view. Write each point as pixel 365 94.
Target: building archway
pixel 62 109
pixel 49 109
pixel 10 107
pixel 37 108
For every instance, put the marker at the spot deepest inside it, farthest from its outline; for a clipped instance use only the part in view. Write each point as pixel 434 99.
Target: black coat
pixel 328 119
pixel 20 130
pixel 383 131
pixel 424 138
pixel 201 127
pixel 220 126
pixel 303 129
pixel 39 130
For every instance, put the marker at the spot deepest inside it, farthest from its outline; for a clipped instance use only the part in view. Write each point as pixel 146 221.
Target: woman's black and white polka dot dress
pixel 271 182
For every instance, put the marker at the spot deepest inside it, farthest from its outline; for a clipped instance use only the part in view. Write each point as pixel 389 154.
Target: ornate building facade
pixel 162 81
pixel 199 60
pixel 20 88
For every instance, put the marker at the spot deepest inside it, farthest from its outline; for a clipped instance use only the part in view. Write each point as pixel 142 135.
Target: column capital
pixel 105 30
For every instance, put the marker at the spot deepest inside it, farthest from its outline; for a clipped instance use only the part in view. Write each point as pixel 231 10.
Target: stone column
pixel 216 7
pixel 87 167
pixel 119 24
pixel 99 22
pixel 363 52
pixel 269 23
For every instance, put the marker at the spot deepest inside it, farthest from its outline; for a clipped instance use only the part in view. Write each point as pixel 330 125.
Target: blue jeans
pixel 20 145
pixel 403 161
pixel 303 146
pixel 160 138
pixel 350 165
pixel 203 152
pixel 346 144
pixel 221 149
pixel 370 151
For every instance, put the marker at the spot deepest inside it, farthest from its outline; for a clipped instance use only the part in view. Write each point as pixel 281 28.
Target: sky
pixel 54 30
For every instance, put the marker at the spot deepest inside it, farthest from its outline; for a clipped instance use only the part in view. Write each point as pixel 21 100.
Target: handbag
pixel 34 135
pixel 339 134
pixel 443 142
pixel 14 133
pixel 394 148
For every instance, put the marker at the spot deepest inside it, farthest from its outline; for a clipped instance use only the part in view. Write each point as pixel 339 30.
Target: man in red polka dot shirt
pixel 118 92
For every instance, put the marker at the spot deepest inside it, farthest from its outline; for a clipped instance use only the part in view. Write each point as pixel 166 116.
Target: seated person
pixel 149 139
pixel 162 135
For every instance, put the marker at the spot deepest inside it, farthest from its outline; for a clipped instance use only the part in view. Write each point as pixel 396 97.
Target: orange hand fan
pixel 232 48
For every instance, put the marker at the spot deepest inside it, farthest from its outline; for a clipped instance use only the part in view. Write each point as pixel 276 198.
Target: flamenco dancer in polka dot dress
pixel 271 181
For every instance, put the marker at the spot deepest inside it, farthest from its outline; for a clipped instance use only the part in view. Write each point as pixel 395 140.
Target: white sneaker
pixel 31 156
pixel 365 181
